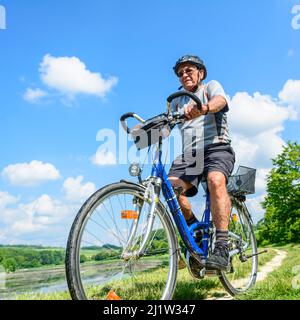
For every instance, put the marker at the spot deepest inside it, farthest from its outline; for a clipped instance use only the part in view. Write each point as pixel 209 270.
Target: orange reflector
pixel 129 214
pixel 112 296
pixel 234 218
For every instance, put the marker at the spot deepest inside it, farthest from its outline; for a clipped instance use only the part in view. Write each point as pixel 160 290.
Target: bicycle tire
pixel 75 270
pixel 242 275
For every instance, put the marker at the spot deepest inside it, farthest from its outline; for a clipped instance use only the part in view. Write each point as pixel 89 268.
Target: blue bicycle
pixel 123 243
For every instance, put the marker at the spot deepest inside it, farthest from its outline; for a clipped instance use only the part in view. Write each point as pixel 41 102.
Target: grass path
pixel 262 274
pixel 283 283
pixel 270 266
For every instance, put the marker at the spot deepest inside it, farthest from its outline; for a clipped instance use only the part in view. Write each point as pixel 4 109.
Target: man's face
pixel 189 75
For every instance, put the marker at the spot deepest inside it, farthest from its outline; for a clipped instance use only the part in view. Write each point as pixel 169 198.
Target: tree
pixel 46 257
pixel 10 265
pixel 282 203
pixel 83 258
pixel 58 257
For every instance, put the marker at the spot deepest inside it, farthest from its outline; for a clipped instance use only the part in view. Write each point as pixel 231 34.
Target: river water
pixel 51 280
pixel 32 281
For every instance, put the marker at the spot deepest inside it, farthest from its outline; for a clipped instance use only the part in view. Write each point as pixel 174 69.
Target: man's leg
pixel 188 215
pixel 220 208
pixel 220 201
pixel 182 199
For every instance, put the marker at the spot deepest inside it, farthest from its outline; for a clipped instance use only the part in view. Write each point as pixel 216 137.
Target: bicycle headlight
pixel 134 169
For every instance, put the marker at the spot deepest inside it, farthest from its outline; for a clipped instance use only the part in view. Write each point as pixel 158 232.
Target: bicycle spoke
pixel 124 208
pixel 242 273
pixel 103 266
pixel 113 220
pixel 112 232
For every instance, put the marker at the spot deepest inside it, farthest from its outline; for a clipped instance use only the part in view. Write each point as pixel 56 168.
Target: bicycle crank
pixel 256 254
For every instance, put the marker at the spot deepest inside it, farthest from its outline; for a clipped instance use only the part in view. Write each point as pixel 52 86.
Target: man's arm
pixel 216 104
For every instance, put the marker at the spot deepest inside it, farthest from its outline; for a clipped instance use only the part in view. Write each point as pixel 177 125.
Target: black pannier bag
pixel 148 133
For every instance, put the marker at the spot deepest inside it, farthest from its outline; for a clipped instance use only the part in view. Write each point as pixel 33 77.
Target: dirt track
pixel 263 272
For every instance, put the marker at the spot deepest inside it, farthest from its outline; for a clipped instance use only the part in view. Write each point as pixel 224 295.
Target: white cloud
pixel 7 199
pixel 76 191
pixel 41 212
pixel 245 149
pixel 257 151
pixel 30 174
pixel 34 95
pixel 38 215
pixel 251 115
pixel 261 179
pixel 256 123
pixel 255 208
pixel 70 76
pixel 44 220
pixel 104 157
pixel 290 93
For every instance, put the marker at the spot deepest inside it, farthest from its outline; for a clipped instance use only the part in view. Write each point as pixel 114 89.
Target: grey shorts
pixel 216 157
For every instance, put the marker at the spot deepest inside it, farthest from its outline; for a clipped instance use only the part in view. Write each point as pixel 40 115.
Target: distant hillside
pixel 13 257
pixel 27 246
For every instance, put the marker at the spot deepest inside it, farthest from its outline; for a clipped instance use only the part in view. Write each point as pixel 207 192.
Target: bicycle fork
pixel 153 195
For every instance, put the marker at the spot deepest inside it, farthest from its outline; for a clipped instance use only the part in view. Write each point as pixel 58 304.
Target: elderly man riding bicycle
pixel 206 151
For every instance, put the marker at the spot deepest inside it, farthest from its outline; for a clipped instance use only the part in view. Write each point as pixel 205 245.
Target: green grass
pixel 278 284
pixel 43 296
pixel 189 288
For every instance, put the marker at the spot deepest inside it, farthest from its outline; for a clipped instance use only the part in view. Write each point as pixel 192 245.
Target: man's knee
pixel 179 185
pixel 216 180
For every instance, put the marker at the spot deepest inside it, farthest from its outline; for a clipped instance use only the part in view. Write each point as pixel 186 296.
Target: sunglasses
pixel 188 71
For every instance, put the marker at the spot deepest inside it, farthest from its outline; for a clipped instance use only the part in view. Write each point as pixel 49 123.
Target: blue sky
pixel 122 54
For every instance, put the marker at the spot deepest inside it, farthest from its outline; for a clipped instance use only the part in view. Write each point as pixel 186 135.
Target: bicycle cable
pixel 143 162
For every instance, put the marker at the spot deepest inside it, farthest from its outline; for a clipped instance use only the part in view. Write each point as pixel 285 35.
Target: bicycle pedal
pixel 211 273
pixel 208 273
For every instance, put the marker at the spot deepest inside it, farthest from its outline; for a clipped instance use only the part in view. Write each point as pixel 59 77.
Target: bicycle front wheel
pixel 242 245
pixel 113 221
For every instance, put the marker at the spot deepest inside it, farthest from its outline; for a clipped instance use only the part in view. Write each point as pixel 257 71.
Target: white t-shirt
pixel 204 130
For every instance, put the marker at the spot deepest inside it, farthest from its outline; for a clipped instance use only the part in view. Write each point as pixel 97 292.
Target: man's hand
pixel 191 111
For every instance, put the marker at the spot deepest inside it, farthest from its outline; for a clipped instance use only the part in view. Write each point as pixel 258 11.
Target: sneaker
pixel 219 260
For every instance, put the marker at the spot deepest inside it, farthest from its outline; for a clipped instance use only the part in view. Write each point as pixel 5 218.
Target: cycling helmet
pixel 195 60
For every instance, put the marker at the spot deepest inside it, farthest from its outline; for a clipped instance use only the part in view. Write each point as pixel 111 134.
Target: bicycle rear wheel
pixel 110 221
pixel 242 244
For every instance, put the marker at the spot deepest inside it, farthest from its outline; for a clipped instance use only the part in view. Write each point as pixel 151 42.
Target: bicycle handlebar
pixel 185 93
pixel 129 115
pixel 169 100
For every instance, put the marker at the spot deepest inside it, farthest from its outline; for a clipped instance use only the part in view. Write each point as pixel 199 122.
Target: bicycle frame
pixel 160 179
pixel 185 231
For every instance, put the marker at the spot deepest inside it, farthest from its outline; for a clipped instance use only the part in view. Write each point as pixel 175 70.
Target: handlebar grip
pixel 123 120
pixel 185 93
